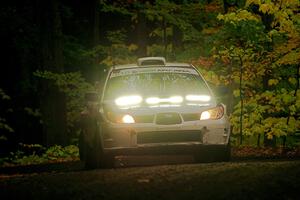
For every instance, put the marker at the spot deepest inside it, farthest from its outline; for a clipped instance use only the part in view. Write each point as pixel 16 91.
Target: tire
pixel 203 155
pixel 213 154
pixel 226 153
pixel 92 158
pixel 107 161
pixel 223 154
pixel 94 154
pixel 81 146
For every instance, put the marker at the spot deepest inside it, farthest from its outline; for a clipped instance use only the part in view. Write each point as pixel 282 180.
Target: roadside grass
pixel 249 152
pixel 34 154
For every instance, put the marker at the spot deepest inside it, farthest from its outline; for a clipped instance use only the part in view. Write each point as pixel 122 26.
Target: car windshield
pixel 155 84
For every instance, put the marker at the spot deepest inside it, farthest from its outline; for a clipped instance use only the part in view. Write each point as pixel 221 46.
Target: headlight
pixel 198 98
pixel 176 99
pixel 128 100
pixel 119 118
pixel 128 119
pixel 215 113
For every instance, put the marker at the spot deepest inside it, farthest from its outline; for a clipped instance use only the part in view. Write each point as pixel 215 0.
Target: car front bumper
pixel 149 136
pixel 167 149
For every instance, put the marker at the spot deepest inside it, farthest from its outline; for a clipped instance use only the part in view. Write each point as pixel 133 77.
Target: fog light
pixel 128 119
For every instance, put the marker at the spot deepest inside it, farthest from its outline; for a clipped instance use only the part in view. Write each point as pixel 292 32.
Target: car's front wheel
pixel 90 145
pixel 213 154
pixel 226 154
pixel 81 146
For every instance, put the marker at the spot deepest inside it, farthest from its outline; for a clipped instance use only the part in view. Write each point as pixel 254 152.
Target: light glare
pixel 128 100
pixel 156 100
pixel 176 99
pixel 214 113
pixel 128 119
pixel 152 100
pixel 205 115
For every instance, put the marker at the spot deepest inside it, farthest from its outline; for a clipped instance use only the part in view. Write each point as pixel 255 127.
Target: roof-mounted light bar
pixel 151 61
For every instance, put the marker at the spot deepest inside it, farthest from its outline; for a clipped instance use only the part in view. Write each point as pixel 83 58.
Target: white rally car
pixel 155 107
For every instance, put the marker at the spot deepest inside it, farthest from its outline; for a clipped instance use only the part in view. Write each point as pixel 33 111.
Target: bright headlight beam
pixel 213 113
pixel 156 100
pixel 205 115
pixel 204 98
pixel 128 100
pixel 176 99
pixel 152 100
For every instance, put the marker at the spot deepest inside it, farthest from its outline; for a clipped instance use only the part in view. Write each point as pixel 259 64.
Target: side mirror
pixel 91 96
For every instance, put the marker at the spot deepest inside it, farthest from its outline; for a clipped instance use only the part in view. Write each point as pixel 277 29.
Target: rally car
pixel 154 107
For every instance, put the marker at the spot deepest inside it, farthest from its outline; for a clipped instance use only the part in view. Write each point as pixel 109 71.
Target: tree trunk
pixel 165 40
pixel 230 100
pixel 295 95
pixel 267 142
pixel 141 30
pixel 176 40
pixel 95 19
pixel 242 100
pixel 258 140
pixel 52 102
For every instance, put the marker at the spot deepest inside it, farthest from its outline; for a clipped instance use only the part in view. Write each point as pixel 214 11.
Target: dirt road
pixel 233 180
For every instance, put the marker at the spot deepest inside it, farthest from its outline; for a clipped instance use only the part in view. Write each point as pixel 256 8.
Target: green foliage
pixel 254 52
pixel 3 95
pixel 158 50
pixel 283 13
pixel 254 49
pixel 3 122
pixel 118 52
pixel 75 87
pixel 75 53
pixel 26 155
pixel 243 28
pixel 20 159
pixel 267 60
pixel 59 152
pixel 30 155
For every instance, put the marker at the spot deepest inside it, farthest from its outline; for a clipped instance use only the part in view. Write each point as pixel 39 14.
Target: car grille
pixel 168 118
pixel 169 136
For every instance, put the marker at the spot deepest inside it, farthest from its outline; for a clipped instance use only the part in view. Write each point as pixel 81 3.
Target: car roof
pixel 168 64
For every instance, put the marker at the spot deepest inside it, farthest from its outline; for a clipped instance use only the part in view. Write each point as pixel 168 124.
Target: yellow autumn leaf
pixel 249 2
pixel 264 8
pixel 270 135
pixel 293 80
pixel 273 82
pixel 293 109
pixel 236 93
pixel 132 47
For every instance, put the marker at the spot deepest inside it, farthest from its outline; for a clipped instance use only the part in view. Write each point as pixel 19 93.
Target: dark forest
pixel 55 51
